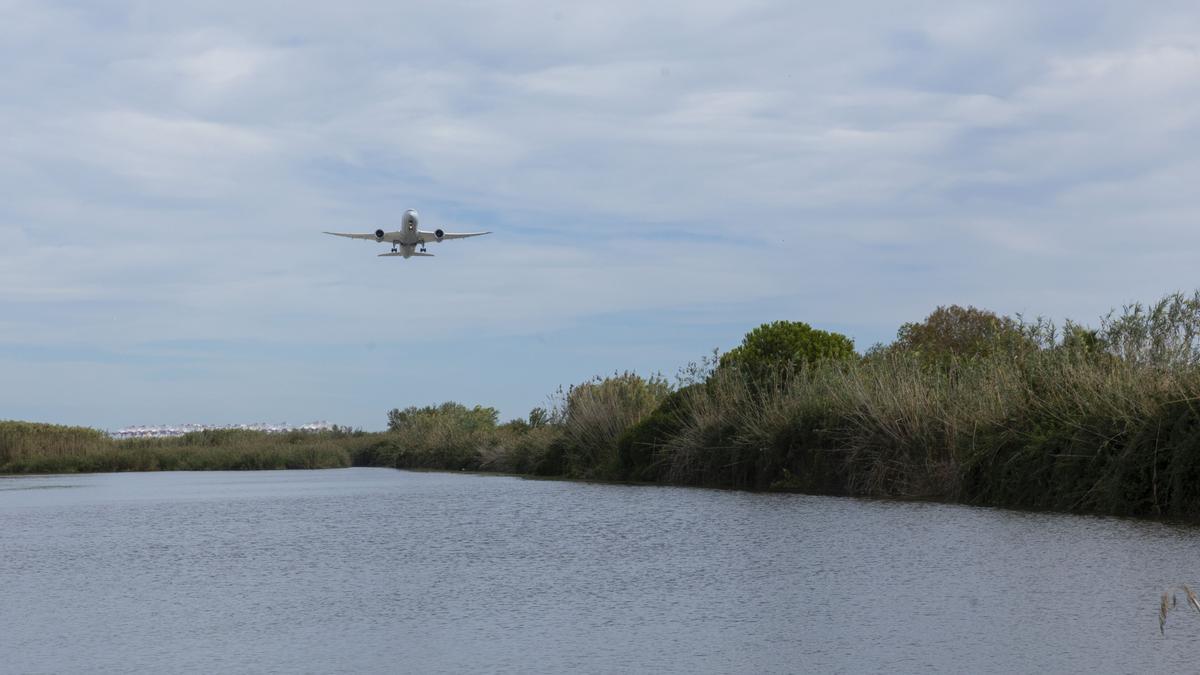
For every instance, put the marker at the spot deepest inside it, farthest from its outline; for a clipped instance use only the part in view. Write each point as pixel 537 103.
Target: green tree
pixel 450 412
pixel 962 332
pixel 785 345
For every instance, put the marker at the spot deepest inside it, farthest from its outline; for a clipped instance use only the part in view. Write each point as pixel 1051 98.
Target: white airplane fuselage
pixel 409 238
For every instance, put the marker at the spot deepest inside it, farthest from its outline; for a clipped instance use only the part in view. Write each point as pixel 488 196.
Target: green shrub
pixel 785 346
pixel 954 332
pixel 639 447
pixel 449 413
pixel 595 414
pixel 523 449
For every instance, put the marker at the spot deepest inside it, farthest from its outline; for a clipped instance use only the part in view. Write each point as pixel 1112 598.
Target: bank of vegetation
pixel 45 448
pixel 964 406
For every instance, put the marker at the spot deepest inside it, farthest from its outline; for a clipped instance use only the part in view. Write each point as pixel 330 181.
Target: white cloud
pixel 221 68
pixel 848 163
pixel 184 153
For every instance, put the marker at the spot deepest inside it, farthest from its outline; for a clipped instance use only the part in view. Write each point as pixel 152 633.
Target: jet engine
pixel 379 235
pixel 439 234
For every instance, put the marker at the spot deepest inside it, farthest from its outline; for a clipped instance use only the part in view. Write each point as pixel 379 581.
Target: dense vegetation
pixel 46 448
pixel 964 406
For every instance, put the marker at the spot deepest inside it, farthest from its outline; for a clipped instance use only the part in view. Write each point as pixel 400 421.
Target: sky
pixel 659 177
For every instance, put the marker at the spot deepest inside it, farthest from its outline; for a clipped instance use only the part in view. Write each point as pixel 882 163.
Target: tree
pixel 785 345
pixel 467 419
pixel 962 332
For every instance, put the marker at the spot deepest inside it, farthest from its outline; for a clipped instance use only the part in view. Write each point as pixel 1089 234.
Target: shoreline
pixel 1170 520
pixel 1180 521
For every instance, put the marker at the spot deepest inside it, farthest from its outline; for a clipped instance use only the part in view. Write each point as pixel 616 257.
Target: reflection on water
pixel 23 483
pixel 378 570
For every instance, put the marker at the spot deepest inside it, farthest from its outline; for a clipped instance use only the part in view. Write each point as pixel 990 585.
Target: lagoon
pixel 379 570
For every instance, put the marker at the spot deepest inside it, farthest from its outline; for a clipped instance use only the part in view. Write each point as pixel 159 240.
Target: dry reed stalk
pixel 1191 596
pixel 1164 608
pixel 1162 614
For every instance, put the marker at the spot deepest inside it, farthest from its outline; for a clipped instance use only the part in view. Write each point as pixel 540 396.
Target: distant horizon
pixel 547 401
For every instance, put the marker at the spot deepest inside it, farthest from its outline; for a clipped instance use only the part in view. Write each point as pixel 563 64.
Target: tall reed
pixel 46 448
pixel 594 414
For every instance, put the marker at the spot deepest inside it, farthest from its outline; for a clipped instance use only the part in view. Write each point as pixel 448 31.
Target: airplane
pixel 406 241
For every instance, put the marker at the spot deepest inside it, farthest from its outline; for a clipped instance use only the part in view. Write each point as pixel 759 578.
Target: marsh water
pixel 376 570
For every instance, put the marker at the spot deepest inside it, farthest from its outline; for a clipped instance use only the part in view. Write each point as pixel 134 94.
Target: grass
pixel 43 448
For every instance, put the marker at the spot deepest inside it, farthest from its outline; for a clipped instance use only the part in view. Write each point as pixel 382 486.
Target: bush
pixel 595 414
pixel 785 346
pixel 450 413
pixel 639 447
pixel 520 448
pixel 956 332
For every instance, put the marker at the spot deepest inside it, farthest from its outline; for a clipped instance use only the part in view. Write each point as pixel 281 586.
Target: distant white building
pixel 168 431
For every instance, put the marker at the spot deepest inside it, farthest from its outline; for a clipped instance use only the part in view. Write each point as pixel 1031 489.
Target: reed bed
pixel 44 448
pixel 1048 428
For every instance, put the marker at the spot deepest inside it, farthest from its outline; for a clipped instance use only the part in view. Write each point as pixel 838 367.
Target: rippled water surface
pixel 375 570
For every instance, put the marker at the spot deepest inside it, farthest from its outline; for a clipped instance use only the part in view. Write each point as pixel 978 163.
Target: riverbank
pixel 964 407
pixel 1051 431
pixel 45 448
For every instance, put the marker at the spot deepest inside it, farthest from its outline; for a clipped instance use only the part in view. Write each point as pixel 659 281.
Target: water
pixel 375 570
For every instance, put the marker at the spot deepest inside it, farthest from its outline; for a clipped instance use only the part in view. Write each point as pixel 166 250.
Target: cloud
pixel 165 173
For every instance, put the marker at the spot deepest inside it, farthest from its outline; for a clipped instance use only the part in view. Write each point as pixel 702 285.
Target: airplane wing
pixel 387 236
pixel 430 237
